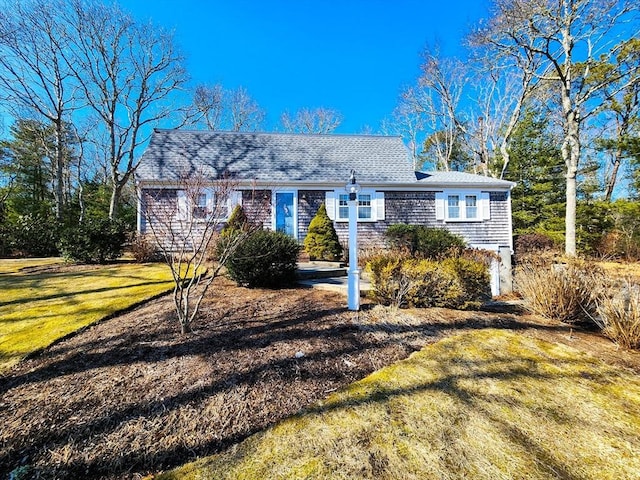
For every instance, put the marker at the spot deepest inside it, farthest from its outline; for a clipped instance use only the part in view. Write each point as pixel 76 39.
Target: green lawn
pixel 38 308
pixel 487 404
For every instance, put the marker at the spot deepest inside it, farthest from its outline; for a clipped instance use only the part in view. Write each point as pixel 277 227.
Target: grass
pixel 15 265
pixel 486 404
pixel 38 308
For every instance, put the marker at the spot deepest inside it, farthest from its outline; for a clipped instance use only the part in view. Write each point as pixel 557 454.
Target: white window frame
pixel 187 209
pixel 482 206
pixel 335 206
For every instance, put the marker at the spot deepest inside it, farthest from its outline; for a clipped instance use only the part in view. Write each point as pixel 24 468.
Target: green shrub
pixel 438 242
pixel 403 237
pixel 33 235
pixel 425 242
pixel 410 282
pixel 474 279
pixel 264 259
pixel 96 240
pixel 321 242
pixel 237 221
pixel 565 292
pixel 234 232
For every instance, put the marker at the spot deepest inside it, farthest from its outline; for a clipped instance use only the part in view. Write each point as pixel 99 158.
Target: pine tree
pixel 321 242
pixel 538 199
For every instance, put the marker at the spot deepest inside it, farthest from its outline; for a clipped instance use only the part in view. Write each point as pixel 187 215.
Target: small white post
pixel 353 290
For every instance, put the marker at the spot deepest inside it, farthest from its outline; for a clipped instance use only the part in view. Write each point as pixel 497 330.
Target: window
pixel 200 206
pixel 471 206
pixel 370 206
pixel 203 206
pixel 343 207
pixel 453 206
pixel 461 206
pixel 364 207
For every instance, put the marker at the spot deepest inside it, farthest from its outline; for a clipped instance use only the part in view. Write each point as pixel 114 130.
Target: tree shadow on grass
pixel 141 397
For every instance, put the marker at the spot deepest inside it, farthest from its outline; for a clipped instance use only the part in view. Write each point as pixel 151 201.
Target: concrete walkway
pixel 327 276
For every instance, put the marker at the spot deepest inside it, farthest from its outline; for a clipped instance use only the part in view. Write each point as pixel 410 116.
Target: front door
pixel 285 214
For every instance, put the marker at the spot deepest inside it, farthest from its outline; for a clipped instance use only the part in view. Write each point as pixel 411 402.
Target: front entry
pixel 285 213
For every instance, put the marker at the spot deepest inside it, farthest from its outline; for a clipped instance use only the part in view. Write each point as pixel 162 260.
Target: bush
pixel 238 221
pixel 144 249
pixel 528 243
pixel 619 316
pixel 474 278
pixel 97 240
pixel 33 235
pixel 409 282
pixel 321 242
pixel 264 259
pixel 425 242
pixel 566 292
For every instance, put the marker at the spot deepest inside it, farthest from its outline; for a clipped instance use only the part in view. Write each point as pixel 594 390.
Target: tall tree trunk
pixel 571 156
pixel 611 182
pixel 116 194
pixel 59 170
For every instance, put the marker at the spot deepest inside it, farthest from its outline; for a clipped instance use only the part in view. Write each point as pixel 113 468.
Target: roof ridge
pixel 264 133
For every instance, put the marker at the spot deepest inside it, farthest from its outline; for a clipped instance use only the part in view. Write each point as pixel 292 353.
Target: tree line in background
pixel 547 97
pixel 85 84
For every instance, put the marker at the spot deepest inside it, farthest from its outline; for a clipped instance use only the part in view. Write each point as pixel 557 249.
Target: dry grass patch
pixel 487 404
pixel 40 307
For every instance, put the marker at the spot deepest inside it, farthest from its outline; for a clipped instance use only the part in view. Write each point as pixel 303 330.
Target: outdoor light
pixel 352 187
pixel 353 288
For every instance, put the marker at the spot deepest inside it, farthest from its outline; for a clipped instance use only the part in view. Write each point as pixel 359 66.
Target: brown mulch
pixel 131 396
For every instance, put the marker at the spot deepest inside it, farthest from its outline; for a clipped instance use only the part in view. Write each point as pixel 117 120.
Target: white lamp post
pixel 353 290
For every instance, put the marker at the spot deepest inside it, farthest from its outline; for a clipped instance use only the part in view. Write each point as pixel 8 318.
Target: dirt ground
pixel 131 396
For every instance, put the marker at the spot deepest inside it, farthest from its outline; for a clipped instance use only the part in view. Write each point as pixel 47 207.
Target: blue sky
pixel 354 56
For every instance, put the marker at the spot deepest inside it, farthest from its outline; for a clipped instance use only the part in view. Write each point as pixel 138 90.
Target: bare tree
pixel 127 73
pixel 185 225
pixel 35 77
pixel 208 106
pixel 318 120
pixel 407 122
pixel 436 99
pixel 246 114
pixel 560 34
pixel 621 110
pixel 216 108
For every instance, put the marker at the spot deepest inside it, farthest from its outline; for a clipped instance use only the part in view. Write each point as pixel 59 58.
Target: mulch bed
pixel 131 396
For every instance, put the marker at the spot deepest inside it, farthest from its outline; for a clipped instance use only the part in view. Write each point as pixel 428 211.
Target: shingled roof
pixel 275 157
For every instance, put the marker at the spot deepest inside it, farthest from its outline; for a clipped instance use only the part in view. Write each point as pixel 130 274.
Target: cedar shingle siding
pixel 494 231
pixel 416 208
pixel 260 164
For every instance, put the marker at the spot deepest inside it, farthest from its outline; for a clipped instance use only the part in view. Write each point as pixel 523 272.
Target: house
pixel 293 174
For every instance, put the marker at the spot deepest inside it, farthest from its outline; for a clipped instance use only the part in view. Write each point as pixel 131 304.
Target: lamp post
pixel 353 290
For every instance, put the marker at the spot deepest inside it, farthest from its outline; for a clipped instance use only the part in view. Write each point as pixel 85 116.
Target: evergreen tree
pixel 321 242
pixel 29 167
pixel 238 220
pixel 538 199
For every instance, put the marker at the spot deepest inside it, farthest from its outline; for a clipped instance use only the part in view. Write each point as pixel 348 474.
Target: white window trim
pixel 332 204
pixel 186 208
pixel 483 207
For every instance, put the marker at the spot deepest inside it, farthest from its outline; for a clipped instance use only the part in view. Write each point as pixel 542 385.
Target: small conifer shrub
pixel 237 220
pixel 321 242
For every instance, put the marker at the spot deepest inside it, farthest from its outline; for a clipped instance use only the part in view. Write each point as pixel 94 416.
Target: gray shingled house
pixel 295 173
